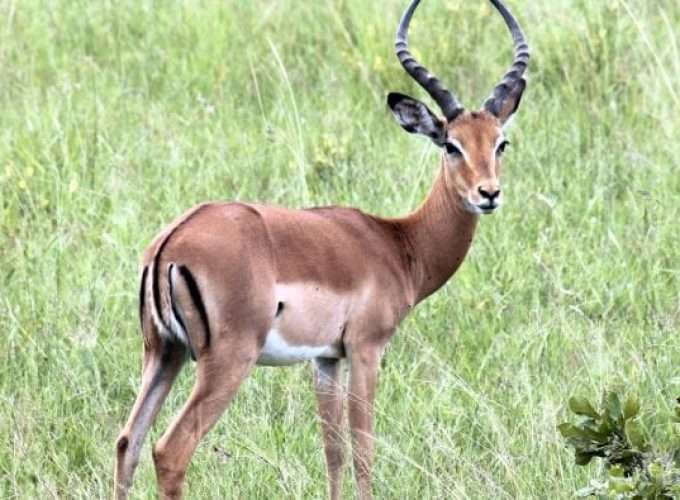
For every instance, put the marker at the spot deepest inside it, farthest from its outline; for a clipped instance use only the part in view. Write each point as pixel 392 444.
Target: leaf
pixel 609 431
pixel 593 434
pixel 582 457
pixel 577 436
pixel 581 406
pixel 621 485
pixel 629 455
pixel 656 471
pixel 568 430
pixel 613 405
pixel 635 434
pixel 616 471
pixel 631 408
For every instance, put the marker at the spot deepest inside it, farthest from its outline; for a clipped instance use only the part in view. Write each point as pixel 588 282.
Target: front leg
pixel 365 361
pixel 329 392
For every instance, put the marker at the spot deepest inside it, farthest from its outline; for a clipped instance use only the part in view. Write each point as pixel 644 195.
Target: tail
pixel 178 309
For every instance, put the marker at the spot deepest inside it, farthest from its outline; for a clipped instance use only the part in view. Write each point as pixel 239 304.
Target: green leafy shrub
pixel 634 468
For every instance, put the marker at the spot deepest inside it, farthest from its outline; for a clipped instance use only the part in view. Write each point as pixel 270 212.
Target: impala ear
pixel 416 118
pixel 506 100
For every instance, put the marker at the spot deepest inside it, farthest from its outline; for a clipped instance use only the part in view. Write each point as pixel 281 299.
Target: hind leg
pixel 162 362
pixel 220 372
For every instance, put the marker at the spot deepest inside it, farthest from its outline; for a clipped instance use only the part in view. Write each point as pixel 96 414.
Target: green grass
pixel 117 116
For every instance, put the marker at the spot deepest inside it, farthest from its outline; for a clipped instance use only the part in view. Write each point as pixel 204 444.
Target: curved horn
pixel 519 65
pixel 445 99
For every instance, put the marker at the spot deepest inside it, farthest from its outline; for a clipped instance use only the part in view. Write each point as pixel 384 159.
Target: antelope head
pixel 472 142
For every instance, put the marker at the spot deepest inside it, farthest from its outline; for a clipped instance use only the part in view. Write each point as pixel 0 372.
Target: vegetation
pixel 616 434
pixel 117 116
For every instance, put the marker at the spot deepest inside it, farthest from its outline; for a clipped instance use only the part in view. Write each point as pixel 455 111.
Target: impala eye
pixel 501 147
pixel 453 150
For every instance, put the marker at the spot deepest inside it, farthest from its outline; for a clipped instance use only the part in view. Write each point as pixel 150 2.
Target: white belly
pixel 309 325
pixel 276 351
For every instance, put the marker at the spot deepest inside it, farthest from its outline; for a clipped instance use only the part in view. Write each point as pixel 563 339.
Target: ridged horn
pixel 519 65
pixel 446 100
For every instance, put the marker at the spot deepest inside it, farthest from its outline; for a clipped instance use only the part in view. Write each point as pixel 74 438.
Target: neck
pixel 439 235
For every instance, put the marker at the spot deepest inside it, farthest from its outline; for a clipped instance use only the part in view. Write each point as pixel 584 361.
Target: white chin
pixel 480 210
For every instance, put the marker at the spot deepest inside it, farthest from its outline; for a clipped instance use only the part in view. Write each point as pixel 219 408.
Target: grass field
pixel 117 116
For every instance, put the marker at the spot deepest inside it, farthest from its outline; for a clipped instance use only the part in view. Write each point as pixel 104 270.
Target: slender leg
pixel 329 396
pixel 220 371
pixel 365 362
pixel 162 362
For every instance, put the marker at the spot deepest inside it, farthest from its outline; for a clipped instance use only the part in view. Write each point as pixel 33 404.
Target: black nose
pixel 490 195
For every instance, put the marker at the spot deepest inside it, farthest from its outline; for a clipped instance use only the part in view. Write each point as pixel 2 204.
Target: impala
pixel 234 285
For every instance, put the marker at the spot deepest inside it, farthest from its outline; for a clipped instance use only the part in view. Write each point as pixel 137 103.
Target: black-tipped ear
pixel 416 118
pixel 506 101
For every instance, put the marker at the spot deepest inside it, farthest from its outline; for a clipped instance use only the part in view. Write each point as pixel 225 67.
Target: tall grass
pixel 117 116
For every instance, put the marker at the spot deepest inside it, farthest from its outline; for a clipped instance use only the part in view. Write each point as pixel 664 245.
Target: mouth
pixel 487 208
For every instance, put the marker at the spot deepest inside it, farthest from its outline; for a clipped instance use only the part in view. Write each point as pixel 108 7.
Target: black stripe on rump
pixel 177 315
pixel 142 295
pixel 198 301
